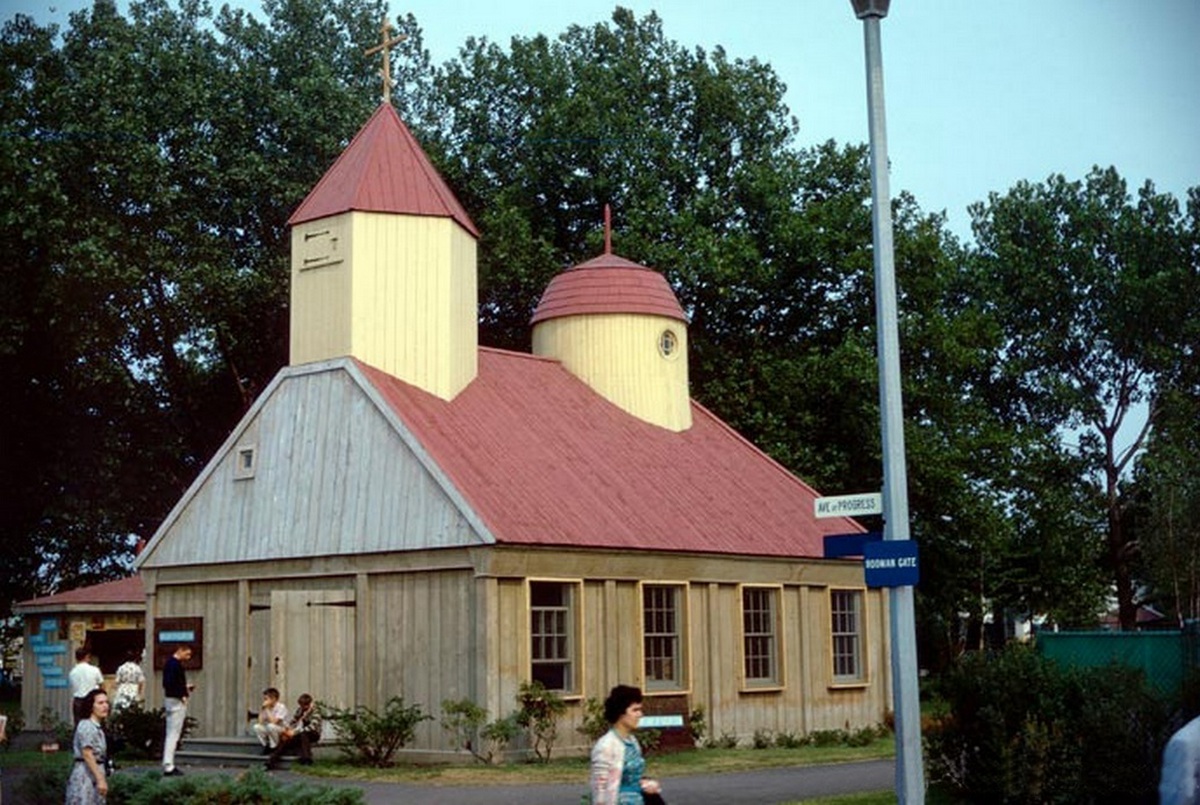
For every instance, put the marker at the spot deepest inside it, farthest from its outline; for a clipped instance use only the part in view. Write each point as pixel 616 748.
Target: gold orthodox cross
pixel 385 44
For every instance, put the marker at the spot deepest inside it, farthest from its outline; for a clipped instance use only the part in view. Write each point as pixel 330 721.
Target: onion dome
pixel 608 284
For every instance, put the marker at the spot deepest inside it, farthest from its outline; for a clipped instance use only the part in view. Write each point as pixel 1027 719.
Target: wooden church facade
pixel 404 513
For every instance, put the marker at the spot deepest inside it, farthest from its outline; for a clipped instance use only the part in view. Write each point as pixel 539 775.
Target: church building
pixel 405 513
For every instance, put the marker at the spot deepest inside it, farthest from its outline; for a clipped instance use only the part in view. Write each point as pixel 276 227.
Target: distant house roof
pixel 127 593
pixel 383 169
pixel 544 460
pixel 608 284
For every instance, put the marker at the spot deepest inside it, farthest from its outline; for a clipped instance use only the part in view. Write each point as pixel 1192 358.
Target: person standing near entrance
pixel 175 698
pixel 84 678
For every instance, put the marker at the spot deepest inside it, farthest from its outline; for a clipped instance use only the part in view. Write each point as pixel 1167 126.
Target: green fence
pixel 1166 657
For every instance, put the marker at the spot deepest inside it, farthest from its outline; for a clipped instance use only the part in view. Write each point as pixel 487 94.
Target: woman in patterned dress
pixel 617 762
pixel 130 681
pixel 88 784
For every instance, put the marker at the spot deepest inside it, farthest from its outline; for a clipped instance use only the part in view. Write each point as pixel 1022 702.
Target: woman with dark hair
pixel 88 784
pixel 617 762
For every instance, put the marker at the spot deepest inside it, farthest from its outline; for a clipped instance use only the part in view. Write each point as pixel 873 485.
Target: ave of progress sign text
pixel 849 505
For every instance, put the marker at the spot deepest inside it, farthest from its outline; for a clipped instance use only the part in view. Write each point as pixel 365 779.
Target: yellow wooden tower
pixel 384 266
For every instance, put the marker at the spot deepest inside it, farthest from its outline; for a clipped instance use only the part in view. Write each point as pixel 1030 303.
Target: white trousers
pixel 267 734
pixel 176 714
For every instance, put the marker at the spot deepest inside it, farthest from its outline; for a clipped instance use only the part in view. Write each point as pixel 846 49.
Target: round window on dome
pixel 668 343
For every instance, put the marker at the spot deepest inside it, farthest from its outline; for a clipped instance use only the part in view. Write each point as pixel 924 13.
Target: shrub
pixel 373 738
pixel 594 724
pixel 468 724
pixel 55 727
pixel 763 739
pixel 728 740
pixel 827 737
pixel 251 787
pixel 135 733
pixel 1022 729
pixel 789 740
pixel 538 711
pixel 698 724
pixel 14 727
pixel 44 786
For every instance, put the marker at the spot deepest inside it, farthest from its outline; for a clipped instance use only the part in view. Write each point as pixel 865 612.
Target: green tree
pixel 150 162
pixel 1084 282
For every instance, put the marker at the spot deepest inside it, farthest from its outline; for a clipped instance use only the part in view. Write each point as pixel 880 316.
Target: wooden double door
pixel 312 645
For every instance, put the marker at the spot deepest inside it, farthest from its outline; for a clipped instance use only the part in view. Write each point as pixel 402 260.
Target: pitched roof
pixel 122 591
pixel 383 169
pixel 543 460
pixel 608 284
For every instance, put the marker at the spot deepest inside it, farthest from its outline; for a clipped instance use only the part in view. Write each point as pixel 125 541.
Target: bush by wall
pixel 1022 729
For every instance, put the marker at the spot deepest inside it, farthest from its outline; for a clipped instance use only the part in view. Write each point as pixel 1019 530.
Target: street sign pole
pixel 910 773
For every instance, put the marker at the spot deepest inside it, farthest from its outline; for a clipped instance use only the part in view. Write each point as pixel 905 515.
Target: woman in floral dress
pixel 617 762
pixel 130 681
pixel 88 784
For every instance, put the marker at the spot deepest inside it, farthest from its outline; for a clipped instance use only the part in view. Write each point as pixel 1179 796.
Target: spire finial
pixel 607 229
pixel 385 44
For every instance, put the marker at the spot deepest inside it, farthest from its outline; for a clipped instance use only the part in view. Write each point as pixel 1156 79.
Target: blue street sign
pixel 838 545
pixel 891 563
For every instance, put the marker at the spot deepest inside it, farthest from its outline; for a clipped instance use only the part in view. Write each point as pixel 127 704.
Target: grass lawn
pixel 574 769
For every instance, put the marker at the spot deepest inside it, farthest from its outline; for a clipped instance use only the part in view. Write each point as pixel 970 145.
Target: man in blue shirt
pixel 175 696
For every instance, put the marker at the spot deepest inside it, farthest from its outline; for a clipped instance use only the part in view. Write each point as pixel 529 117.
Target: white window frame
pixel 847 637
pixel 680 657
pixel 774 679
pixel 570 621
pixel 245 461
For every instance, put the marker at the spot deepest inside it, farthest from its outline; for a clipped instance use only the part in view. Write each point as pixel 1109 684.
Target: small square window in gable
pixel 245 461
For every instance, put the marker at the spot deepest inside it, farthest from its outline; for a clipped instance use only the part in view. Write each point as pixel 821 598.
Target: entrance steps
pixel 240 751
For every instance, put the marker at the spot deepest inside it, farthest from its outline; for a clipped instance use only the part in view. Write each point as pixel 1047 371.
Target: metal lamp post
pixel 910 773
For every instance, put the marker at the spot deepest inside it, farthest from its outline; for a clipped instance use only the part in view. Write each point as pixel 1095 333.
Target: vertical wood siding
pixel 425 647
pixel 414 300
pixel 331 477
pixel 401 298
pixel 617 356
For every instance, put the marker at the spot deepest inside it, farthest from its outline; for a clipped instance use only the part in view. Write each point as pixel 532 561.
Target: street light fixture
pixel 870 8
pixel 910 773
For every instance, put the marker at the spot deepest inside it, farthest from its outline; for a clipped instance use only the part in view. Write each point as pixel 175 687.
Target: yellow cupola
pixel 618 327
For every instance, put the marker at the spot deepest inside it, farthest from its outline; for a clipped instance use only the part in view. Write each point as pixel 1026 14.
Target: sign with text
pixel 849 505
pixel 891 563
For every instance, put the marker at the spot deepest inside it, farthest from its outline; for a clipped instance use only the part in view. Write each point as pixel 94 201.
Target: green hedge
pixel 1022 729
pixel 251 787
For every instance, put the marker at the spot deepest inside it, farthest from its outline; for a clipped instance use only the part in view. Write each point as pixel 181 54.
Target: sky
pixel 978 95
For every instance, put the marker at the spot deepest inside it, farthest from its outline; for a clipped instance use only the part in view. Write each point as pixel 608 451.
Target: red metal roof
pixel 121 591
pixel 383 169
pixel 544 460
pixel 608 284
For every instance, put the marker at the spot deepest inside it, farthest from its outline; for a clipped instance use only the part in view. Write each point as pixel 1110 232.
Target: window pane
pixel 661 640
pixel 758 626
pixel 551 635
pixel 846 612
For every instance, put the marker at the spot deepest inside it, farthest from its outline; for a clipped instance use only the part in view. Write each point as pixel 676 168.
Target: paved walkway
pixel 762 787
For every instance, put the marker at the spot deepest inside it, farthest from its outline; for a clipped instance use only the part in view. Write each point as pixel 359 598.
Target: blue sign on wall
pixel 838 545
pixel 891 563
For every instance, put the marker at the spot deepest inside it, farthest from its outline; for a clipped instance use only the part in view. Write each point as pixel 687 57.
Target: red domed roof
pixel 608 284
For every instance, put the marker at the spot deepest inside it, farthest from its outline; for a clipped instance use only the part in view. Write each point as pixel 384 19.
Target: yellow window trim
pixel 577 621
pixel 780 683
pixel 865 678
pixel 685 641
